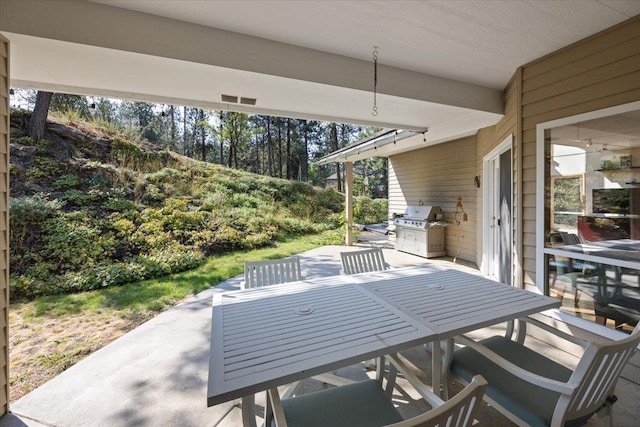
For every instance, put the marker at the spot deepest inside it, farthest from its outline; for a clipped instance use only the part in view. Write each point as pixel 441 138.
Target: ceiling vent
pixel 230 99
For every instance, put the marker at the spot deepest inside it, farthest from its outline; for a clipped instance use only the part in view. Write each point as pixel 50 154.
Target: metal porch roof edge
pixel 384 144
pixel 378 140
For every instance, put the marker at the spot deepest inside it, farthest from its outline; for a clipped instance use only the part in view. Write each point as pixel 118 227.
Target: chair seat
pixel 362 404
pixel 533 404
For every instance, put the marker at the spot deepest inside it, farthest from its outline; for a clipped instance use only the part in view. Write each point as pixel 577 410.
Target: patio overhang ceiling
pixel 442 65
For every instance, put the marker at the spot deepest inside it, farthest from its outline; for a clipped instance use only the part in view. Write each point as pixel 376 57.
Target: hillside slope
pixel 90 209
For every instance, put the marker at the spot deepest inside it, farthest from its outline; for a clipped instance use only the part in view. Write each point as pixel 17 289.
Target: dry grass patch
pixel 42 347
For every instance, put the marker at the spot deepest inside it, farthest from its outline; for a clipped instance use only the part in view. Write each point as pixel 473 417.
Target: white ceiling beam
pixel 114 28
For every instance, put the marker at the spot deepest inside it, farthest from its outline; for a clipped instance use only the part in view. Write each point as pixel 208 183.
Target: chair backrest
pixel 271 272
pixel 458 411
pixel 569 238
pixel 596 376
pixel 364 261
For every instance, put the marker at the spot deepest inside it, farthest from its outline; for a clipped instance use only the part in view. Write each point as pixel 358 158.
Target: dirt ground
pixel 42 347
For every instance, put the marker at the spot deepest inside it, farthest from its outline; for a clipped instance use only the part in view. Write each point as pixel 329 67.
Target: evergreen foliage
pixel 87 216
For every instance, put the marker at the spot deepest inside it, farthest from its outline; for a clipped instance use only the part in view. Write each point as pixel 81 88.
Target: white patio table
pixel 270 336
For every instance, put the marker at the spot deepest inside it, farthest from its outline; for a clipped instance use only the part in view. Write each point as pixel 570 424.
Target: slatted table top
pixel 265 337
pixel 452 302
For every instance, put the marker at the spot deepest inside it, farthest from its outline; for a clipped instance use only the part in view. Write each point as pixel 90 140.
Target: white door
pixel 497 258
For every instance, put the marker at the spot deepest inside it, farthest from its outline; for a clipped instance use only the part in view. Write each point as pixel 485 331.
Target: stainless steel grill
pixel 420 231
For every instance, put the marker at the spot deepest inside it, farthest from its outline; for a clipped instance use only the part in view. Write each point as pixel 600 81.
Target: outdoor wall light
pixel 476 181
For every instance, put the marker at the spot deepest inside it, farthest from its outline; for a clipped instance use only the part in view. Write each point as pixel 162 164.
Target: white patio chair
pixel 364 261
pixel 367 404
pixel 271 272
pixel 531 389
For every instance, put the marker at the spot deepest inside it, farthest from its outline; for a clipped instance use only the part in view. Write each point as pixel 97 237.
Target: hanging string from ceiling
pixel 374 112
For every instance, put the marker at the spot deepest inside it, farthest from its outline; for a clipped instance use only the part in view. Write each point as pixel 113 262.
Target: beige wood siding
pixel 4 223
pixel 437 175
pixel 598 72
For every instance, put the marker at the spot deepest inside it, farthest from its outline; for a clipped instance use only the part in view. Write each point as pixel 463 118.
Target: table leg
pixel 448 357
pixel 248 411
pixel 268 410
pixel 436 368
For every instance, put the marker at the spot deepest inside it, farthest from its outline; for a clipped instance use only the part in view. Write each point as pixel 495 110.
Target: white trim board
pixel 488 195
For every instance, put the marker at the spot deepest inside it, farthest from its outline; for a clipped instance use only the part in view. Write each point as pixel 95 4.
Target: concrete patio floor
pixel 156 375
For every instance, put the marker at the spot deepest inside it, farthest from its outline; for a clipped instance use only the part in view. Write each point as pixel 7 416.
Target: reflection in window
pixel 592 218
pixel 567 201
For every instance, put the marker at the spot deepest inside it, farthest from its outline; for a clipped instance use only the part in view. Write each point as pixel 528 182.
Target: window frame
pixel 541 128
pixel 540 282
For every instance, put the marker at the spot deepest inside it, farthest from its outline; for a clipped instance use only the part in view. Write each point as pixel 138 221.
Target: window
pixel 589 214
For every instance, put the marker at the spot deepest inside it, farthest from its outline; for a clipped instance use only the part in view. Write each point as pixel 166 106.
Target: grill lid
pixel 427 213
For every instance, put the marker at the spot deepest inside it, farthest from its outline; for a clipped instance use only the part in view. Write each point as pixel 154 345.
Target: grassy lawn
pixel 50 334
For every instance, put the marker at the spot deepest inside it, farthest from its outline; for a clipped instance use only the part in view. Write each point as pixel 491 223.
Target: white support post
pixel 348 191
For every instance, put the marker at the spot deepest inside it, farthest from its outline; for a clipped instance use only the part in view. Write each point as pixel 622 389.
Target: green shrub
pixel 77 197
pixel 165 175
pixel 213 201
pixel 148 214
pixel 73 242
pixel 35 173
pixel 243 200
pixel 26 217
pixel 101 181
pixel 370 211
pixel 118 204
pixel 153 194
pixel 24 140
pixel 66 181
pixel 30 211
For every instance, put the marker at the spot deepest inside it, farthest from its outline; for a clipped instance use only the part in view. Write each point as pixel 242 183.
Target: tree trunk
pixel 38 120
pixel 184 133
pixel 232 131
pixel 288 160
pixel 203 136
pixel 279 122
pixel 305 160
pixel 221 138
pixel 258 140
pixel 172 117
pixel 230 158
pixel 269 148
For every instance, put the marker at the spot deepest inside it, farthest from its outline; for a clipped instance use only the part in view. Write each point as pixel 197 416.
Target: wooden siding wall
pixel 4 225
pixel 437 175
pixel 598 72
